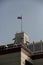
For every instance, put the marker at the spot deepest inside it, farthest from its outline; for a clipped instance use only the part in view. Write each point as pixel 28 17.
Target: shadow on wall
pixel 28 63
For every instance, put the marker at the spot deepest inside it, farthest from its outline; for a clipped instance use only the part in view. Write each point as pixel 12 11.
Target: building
pixel 37 52
pixel 15 55
pixel 22 52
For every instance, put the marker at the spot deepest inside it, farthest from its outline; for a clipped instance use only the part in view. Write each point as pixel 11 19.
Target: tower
pixel 21 38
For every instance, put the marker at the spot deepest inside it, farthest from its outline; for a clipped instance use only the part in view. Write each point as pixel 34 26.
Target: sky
pixel 32 19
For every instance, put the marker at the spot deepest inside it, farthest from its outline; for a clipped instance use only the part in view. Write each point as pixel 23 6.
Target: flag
pixel 19 17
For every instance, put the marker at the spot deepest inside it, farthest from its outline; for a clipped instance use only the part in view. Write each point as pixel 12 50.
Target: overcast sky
pixel 32 19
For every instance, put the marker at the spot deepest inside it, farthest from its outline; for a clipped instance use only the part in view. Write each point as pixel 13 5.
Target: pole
pixel 20 21
pixel 21 25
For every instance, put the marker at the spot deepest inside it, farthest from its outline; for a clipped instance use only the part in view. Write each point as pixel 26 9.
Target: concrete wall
pixel 38 62
pixel 10 59
pixel 21 38
pixel 25 38
pixel 24 57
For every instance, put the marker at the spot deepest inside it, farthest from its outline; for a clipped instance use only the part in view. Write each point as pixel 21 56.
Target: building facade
pixel 15 55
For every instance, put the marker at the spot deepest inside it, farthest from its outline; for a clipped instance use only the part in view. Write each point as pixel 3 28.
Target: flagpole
pixel 20 17
pixel 21 25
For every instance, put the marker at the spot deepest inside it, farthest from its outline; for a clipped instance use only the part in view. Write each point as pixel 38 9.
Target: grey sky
pixel 32 13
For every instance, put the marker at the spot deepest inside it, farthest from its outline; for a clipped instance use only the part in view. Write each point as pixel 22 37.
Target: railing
pixel 36 47
pixel 9 46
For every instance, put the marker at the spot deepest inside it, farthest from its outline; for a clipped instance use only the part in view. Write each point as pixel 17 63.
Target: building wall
pixel 24 57
pixel 38 62
pixel 10 59
pixel 25 38
pixel 21 38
